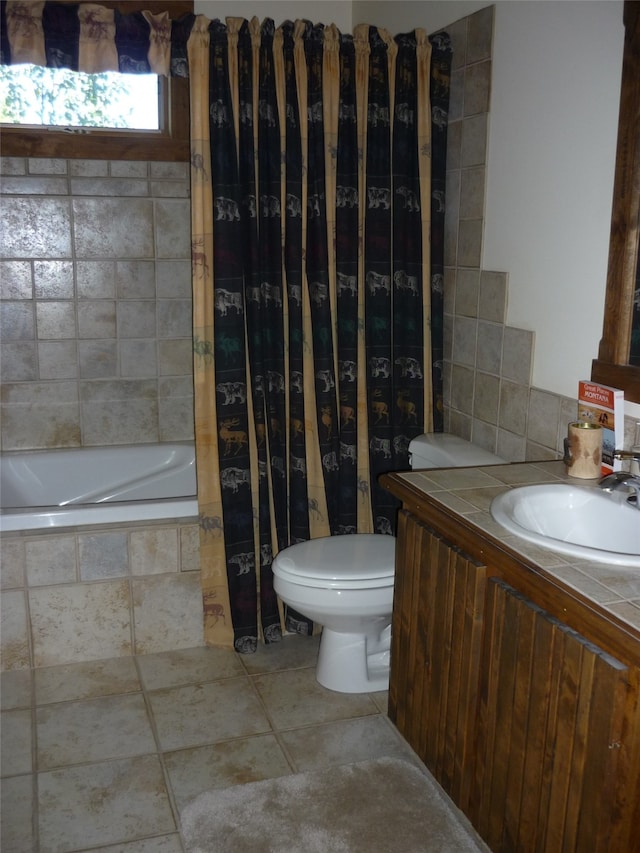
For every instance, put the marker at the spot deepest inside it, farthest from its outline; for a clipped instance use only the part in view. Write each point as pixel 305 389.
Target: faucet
pixel 627 454
pixel 619 480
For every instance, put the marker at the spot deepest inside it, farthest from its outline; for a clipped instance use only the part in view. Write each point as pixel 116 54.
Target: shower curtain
pixel 318 180
pixel 318 217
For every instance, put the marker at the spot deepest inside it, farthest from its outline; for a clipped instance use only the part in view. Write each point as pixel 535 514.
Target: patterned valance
pixel 91 38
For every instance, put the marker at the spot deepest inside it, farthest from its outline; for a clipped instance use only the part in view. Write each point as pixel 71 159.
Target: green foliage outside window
pixel 57 97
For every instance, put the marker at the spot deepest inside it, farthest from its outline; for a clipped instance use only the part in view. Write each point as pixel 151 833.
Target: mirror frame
pixel 612 365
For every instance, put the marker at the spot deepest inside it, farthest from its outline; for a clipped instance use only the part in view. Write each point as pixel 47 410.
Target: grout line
pixel 159 751
pixel 35 788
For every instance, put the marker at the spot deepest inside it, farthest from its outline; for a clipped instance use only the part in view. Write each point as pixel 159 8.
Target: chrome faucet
pixel 619 480
pixel 627 454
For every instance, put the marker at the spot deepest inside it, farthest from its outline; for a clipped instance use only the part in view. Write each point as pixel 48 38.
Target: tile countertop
pixel 469 491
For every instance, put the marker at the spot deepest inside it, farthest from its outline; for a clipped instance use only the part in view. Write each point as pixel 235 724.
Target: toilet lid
pixel 339 561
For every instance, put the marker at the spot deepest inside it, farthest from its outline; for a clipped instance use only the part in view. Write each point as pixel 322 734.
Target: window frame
pixel 169 143
pixel 612 365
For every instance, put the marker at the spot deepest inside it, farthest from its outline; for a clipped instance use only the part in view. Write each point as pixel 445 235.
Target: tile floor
pixel 103 756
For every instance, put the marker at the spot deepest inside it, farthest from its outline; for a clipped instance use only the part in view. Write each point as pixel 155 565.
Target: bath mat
pixel 381 806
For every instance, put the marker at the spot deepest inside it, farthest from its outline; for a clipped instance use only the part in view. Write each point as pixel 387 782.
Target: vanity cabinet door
pixel 437 631
pixel 530 728
pixel 551 757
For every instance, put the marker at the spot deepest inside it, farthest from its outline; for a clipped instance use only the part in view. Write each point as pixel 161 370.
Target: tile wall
pixel 489 397
pixel 95 287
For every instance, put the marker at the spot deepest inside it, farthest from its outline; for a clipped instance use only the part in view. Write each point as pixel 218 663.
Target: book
pixel 604 405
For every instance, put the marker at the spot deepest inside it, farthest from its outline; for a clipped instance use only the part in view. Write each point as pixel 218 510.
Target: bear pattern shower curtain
pixel 317 225
pixel 318 169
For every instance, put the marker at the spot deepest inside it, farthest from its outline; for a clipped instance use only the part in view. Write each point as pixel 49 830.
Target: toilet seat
pixel 339 562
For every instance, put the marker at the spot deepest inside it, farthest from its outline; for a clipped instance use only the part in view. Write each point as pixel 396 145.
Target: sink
pixel 578 521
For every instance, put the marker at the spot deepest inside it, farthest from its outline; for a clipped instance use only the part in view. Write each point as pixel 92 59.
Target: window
pixel 57 97
pixel 169 141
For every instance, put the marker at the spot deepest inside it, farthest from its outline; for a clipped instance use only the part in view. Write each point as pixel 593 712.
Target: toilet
pixel 345 583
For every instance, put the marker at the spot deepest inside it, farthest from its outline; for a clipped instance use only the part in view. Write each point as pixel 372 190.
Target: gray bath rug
pixel 381 806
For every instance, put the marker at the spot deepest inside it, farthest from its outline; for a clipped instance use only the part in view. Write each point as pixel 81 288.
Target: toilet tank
pixel 443 450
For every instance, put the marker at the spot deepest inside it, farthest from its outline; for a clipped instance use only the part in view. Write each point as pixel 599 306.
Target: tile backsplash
pixel 488 393
pixel 95 283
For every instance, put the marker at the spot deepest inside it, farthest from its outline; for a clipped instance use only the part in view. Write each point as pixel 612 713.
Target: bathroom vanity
pixel 515 672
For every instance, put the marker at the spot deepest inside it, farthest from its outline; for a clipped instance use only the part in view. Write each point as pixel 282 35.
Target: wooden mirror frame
pixel 612 365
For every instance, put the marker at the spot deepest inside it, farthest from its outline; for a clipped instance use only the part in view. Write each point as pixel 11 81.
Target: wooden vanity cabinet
pixel 529 725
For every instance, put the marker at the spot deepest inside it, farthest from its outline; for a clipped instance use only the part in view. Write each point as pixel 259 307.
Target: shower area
pixel 98 352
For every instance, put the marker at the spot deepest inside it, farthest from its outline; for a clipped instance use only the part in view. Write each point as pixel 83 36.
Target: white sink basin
pixel 581 522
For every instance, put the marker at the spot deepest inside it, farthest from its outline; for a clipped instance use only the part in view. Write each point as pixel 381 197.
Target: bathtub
pixel 45 489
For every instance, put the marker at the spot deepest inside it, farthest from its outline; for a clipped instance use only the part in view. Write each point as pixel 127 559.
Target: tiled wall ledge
pixel 489 398
pixel 89 594
pixel 43 176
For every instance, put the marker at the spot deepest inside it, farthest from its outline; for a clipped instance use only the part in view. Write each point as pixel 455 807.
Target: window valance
pixel 92 38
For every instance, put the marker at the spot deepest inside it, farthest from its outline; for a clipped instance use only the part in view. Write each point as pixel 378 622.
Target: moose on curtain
pixel 318 170
pixel 318 224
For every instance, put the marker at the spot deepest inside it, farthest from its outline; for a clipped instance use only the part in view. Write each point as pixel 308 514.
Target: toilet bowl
pixel 345 583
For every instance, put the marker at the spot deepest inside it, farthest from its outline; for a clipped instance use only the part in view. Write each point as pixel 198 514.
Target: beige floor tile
pixel 199 714
pixel 234 762
pixel 93 730
pixel 16 814
pixel 15 689
pixel 343 742
pixel 167 611
pixel 86 680
pixel 294 698
pixel 107 803
pixel 292 652
pixel 187 666
pixel 16 742
pixel 381 700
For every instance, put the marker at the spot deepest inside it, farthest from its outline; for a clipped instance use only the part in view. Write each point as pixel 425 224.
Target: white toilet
pixel 345 583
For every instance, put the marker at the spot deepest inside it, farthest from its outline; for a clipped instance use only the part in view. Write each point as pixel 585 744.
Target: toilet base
pixel 354 663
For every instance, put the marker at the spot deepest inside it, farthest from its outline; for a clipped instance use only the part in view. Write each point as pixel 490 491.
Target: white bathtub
pixel 101 485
